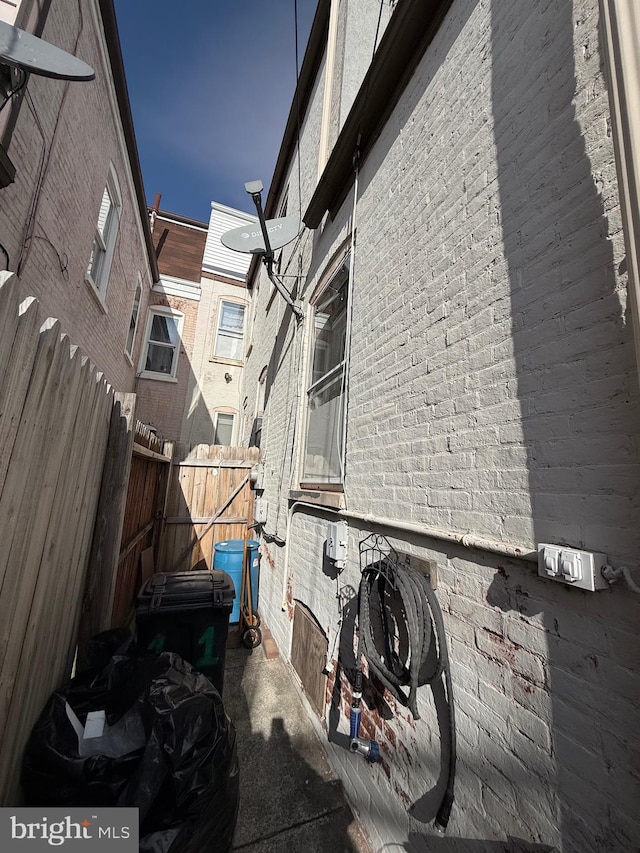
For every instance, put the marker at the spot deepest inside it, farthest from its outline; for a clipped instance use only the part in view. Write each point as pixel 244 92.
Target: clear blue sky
pixel 210 83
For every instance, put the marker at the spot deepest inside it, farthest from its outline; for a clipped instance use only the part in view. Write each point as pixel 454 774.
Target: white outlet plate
pixel 572 567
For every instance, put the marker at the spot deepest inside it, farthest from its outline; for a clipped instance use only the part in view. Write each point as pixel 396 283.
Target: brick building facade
pixel 76 173
pixel 490 385
pixel 201 294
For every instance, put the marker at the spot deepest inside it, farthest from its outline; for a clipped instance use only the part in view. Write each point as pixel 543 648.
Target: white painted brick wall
pixel 493 391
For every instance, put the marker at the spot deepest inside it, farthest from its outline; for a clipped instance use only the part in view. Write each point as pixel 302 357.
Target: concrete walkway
pixel 290 800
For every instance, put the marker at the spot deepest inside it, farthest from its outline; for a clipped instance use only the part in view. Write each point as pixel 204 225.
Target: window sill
pixel 333 500
pixel 237 363
pixel 95 293
pixel 158 377
pixel 128 357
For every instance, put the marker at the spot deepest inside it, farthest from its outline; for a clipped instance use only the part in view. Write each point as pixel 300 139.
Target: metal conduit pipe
pixel 468 540
pixel 294 506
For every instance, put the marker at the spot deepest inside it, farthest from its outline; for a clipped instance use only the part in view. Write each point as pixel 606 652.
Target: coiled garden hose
pixel 419 662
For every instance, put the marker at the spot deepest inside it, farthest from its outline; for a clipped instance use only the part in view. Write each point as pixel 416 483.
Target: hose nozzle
pixel 368 748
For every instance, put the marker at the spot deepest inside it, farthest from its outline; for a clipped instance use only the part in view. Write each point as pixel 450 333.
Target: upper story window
pixel 106 232
pixel 159 359
pixel 325 405
pixel 229 340
pixel 256 430
pixel 133 322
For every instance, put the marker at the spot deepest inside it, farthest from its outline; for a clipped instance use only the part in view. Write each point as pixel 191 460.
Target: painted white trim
pixel 115 111
pixel 108 240
pixel 93 290
pixel 620 21
pixel 329 73
pixel 163 311
pixel 234 301
pixel 240 214
pixel 129 355
pixel 171 286
pixel 221 271
pixel 234 424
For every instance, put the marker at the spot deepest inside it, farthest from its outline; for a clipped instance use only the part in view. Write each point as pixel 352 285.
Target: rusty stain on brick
pixel 389 734
pixel 267 554
pixel 406 799
pixel 290 603
pixel 385 767
pixel 407 753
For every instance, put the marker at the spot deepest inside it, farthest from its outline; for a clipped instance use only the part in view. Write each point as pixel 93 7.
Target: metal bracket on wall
pixel 427 568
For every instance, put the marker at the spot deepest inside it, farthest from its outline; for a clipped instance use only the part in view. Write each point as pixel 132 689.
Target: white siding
pixel 217 258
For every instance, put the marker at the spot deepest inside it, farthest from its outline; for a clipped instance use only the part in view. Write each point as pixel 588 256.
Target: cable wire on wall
pixel 45 156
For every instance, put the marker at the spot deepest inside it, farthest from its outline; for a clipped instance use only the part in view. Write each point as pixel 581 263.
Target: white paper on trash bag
pixel 124 736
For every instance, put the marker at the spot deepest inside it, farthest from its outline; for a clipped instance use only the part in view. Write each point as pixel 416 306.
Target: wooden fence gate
pixel 210 500
pixel 142 523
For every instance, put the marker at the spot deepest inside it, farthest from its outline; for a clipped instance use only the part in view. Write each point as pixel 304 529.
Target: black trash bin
pixel 187 613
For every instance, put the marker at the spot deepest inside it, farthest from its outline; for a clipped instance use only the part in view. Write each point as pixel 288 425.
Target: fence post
pixel 163 497
pixel 105 548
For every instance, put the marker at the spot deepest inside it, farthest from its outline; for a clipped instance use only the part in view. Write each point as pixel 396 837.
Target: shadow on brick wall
pixel 576 385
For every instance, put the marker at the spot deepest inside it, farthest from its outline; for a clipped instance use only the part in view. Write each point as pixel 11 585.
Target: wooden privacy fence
pixel 146 497
pixel 55 412
pixel 210 500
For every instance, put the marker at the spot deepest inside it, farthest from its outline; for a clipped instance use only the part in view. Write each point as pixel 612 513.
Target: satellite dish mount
pixel 273 234
pixel 22 54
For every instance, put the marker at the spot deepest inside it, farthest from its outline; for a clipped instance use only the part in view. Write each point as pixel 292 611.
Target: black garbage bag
pixel 169 748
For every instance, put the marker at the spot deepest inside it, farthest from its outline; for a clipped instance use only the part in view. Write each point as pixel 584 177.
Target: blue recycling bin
pixel 228 558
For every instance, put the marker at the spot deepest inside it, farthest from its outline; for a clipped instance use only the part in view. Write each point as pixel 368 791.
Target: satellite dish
pixel 249 239
pixel 34 56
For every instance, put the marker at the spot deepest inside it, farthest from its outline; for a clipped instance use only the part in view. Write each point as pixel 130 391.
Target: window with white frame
pixel 229 340
pixel 133 322
pixel 159 359
pixel 322 460
pixel 223 428
pixel 256 430
pixel 104 240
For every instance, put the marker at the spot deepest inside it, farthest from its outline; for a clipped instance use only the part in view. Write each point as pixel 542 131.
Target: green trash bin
pixel 187 613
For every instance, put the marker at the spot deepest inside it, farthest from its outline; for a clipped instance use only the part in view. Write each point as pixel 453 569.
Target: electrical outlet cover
pixel 572 567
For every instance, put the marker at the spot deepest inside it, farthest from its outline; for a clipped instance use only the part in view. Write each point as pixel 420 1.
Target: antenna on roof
pixel 22 53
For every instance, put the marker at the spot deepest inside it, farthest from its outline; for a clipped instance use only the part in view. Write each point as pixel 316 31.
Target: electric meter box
pixel 260 510
pixel 337 538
